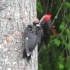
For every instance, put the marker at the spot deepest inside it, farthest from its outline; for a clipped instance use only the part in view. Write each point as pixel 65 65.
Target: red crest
pixel 47 17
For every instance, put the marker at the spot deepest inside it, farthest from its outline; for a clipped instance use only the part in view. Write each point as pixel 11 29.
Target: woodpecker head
pixel 46 23
pixel 47 17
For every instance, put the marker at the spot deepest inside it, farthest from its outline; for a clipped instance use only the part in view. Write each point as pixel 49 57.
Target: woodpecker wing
pixel 30 39
pixel 26 45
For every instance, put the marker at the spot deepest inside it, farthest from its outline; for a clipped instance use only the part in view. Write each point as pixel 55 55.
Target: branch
pixel 58 12
pixel 51 6
pixel 60 33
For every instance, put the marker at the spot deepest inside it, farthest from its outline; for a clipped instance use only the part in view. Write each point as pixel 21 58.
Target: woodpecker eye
pixel 30 27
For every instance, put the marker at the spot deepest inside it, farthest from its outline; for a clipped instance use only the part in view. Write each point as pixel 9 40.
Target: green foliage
pixel 67 31
pixel 61 66
pixel 62 26
pixel 67 4
pixel 57 42
pixel 39 7
pixel 68 63
pixel 40 66
pixel 56 56
pixel 68 47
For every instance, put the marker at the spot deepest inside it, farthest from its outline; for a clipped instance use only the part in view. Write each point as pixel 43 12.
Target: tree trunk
pixel 15 15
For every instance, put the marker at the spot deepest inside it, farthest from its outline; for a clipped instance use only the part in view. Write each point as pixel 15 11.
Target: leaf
pixel 38 4
pixel 61 66
pixel 68 47
pixel 52 37
pixel 67 31
pixel 39 7
pixel 61 27
pixel 57 42
pixel 67 4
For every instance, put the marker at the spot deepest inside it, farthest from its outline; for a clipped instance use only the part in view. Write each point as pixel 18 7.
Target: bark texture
pixel 15 15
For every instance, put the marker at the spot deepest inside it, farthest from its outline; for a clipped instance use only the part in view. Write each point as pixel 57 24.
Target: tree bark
pixel 15 15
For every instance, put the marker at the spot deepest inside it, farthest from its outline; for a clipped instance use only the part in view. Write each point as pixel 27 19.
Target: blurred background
pixel 56 56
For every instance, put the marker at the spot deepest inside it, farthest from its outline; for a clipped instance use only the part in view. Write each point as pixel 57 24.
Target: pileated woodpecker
pixel 46 24
pixel 39 32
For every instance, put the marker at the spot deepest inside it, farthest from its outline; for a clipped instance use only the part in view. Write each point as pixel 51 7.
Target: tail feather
pixel 25 55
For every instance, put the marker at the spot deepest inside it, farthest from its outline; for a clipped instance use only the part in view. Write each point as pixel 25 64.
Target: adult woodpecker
pixel 46 25
pixel 32 35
